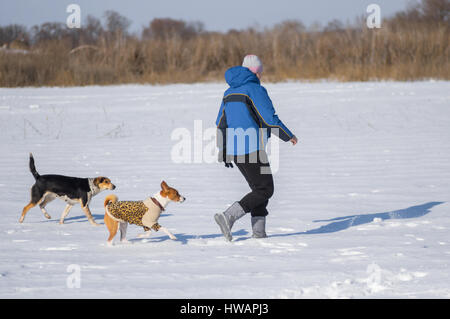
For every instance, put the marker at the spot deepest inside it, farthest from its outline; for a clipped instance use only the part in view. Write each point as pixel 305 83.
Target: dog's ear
pixel 164 186
pixel 97 181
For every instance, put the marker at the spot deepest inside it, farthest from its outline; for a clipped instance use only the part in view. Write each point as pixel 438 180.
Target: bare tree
pixel 334 25
pixel 164 28
pixel 92 31
pixel 116 23
pixel 14 32
pixel 436 10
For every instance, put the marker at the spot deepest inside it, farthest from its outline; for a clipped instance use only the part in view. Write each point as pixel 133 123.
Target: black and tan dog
pixel 72 190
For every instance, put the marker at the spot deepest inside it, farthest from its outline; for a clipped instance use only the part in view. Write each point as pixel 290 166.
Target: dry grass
pixel 417 51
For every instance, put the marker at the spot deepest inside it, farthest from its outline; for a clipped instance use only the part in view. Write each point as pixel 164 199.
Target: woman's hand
pixel 293 140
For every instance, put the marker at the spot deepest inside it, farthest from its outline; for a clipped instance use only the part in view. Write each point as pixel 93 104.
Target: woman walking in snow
pixel 245 121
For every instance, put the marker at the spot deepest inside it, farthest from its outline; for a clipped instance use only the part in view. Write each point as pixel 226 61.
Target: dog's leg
pixel 36 198
pixel 112 226
pixel 123 232
pixel 25 211
pixel 65 213
pixel 88 213
pixel 164 229
pixel 47 199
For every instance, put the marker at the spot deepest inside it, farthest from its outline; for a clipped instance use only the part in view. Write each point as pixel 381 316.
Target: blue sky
pixel 216 15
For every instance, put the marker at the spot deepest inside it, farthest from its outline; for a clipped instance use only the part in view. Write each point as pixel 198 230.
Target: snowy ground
pixel 361 206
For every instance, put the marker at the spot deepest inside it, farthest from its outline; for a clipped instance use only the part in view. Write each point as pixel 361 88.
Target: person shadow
pixel 341 223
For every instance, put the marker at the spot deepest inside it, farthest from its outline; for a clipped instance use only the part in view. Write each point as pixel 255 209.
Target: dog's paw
pixel 173 237
pixel 144 235
pixel 125 241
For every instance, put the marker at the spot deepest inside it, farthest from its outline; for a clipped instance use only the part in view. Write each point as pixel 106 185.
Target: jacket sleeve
pixel 221 123
pixel 221 115
pixel 265 110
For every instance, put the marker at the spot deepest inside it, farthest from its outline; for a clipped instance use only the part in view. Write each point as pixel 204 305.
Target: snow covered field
pixel 361 205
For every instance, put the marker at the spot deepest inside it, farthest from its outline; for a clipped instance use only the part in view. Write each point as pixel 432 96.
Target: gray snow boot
pixel 226 219
pixel 259 227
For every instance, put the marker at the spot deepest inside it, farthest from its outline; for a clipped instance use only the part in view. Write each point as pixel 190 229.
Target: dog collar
pixel 155 201
pixel 94 189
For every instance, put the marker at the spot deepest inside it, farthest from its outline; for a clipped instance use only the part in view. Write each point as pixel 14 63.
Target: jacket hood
pixel 239 75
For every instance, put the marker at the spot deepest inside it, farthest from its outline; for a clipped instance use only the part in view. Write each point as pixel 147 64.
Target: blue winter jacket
pixel 246 116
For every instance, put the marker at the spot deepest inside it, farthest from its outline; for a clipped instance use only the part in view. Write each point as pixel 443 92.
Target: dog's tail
pixel 110 199
pixel 33 168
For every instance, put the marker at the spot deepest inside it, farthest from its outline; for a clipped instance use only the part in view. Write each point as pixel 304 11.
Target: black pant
pixel 260 180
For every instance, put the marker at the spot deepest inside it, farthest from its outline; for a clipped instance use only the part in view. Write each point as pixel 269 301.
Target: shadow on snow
pixel 335 224
pixel 342 223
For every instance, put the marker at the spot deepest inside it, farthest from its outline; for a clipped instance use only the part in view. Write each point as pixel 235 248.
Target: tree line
pixel 413 44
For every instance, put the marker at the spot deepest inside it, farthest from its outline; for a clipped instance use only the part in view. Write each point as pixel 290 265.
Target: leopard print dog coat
pixel 142 213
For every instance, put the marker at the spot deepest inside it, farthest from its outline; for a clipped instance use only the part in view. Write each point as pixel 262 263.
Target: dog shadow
pixel 185 238
pixel 341 223
pixel 75 219
pixel 82 219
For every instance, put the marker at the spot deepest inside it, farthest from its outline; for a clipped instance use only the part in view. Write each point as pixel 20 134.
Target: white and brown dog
pixel 118 214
